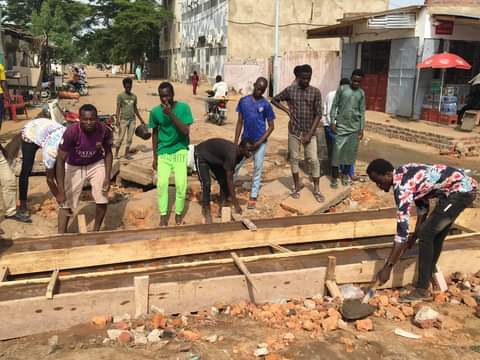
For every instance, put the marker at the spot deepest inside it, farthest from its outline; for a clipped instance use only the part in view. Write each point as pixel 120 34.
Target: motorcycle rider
pixel 219 90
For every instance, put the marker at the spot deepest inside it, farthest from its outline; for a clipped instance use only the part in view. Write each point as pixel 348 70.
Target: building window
pixel 201 41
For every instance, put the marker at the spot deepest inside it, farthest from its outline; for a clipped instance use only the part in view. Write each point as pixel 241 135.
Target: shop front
pixel 388 46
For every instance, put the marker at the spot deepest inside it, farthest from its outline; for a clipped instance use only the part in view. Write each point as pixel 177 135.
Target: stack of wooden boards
pixel 179 269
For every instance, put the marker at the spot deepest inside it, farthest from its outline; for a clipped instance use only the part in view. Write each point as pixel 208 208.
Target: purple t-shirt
pixel 85 149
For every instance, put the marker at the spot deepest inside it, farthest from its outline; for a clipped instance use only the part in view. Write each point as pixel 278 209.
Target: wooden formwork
pixel 293 266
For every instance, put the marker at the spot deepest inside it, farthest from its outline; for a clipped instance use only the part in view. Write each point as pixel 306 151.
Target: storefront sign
pixel 444 28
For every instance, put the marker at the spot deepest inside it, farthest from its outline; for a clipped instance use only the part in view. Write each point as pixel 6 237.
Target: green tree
pixel 19 12
pixel 51 21
pixel 130 29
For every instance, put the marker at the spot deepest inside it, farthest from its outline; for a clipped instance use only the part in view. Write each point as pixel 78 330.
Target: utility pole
pixel 276 59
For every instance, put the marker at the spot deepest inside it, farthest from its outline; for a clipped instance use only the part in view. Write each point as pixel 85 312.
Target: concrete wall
pixel 251 25
pixel 210 26
pixel 170 52
pixel 325 64
pixel 241 76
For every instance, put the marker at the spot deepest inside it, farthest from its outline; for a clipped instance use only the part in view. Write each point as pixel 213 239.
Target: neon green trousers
pixel 166 163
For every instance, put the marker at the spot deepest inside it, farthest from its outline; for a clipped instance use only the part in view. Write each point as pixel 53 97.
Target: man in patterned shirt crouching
pixel 415 184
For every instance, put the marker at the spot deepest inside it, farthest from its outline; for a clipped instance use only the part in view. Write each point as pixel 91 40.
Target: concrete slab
pixel 307 204
pixel 275 189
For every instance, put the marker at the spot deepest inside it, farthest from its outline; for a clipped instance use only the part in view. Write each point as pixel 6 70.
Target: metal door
pixel 401 76
pixel 349 59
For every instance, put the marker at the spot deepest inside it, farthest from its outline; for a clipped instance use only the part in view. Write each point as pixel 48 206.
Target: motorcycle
pixel 77 86
pixel 217 110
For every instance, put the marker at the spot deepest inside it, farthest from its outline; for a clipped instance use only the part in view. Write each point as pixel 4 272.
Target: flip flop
pixel 319 197
pixel 295 193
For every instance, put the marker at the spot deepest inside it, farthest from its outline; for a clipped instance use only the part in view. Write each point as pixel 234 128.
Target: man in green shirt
pixel 347 122
pixel 125 117
pixel 170 122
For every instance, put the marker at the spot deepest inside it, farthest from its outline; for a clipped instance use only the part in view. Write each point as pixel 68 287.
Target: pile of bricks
pixel 441 142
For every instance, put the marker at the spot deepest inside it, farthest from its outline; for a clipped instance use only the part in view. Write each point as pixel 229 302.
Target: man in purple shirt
pixel 85 153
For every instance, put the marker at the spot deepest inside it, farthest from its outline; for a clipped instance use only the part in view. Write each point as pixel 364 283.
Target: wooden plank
pixel 34 315
pixel 141 285
pixel 332 263
pixel 246 222
pixel 82 224
pixel 37 315
pixel 4 273
pixel 330 283
pixel 191 243
pixel 280 248
pixel 333 289
pixel 243 269
pixel 226 214
pixel 376 247
pixel 196 264
pixel 52 284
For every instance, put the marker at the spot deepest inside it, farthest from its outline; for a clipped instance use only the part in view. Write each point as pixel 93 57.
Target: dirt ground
pixel 240 329
pixel 241 335
pixel 102 93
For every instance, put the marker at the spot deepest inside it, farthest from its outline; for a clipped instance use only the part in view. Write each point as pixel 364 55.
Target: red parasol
pixel 444 61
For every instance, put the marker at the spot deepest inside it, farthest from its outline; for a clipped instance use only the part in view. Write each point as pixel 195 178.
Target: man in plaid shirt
pixel 415 184
pixel 305 112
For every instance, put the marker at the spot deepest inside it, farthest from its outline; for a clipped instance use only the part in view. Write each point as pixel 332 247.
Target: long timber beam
pixel 43 255
pixel 276 277
pixel 88 250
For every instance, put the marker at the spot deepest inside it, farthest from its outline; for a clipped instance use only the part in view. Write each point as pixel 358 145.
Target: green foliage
pixel 61 22
pixel 107 31
pixel 131 31
pixel 19 12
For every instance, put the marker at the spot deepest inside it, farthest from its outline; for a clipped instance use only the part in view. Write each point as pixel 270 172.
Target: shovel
pixel 355 309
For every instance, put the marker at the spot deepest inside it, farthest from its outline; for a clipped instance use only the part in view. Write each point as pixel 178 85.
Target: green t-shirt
pixel 170 140
pixel 127 106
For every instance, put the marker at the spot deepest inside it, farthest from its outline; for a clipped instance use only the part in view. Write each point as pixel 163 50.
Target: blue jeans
pixel 258 157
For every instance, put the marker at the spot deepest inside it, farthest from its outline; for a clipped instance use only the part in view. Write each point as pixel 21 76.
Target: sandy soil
pixel 240 335
pixel 102 93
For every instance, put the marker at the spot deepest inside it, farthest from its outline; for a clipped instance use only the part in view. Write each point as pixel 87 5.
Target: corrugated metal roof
pixel 328 31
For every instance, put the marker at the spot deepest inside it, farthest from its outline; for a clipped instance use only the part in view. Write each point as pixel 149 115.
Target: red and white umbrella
pixel 444 61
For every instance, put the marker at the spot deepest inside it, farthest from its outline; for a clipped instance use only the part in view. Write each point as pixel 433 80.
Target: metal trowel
pixel 355 309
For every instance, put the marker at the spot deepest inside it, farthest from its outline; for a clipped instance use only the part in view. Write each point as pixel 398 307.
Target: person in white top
pixel 325 156
pixel 220 88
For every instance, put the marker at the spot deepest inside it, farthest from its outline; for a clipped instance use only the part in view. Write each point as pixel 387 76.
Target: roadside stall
pixel 443 100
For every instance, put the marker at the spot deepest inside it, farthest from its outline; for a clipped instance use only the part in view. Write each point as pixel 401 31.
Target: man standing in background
pixel 347 121
pixel 254 112
pixel 305 112
pixel 125 116
pixel 326 157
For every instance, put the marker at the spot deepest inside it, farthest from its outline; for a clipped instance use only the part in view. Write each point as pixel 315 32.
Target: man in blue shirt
pixel 254 112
